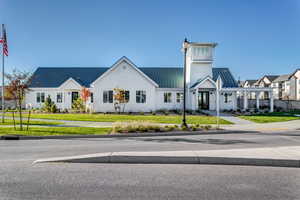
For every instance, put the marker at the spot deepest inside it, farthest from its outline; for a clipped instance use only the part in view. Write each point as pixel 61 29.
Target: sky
pixel 255 37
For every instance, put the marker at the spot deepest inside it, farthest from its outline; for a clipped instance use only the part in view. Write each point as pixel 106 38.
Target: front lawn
pixel 46 131
pixel 166 119
pixel 269 118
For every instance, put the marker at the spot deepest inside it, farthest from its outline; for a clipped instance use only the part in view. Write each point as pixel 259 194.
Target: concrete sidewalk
pixel 276 156
pixel 230 118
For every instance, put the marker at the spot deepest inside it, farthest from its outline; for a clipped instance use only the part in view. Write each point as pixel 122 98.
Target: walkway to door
pixel 229 117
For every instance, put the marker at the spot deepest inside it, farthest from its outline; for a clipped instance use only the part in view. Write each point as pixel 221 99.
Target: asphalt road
pixel 19 179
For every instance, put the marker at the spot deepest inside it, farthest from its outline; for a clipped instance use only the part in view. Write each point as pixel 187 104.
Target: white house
pixel 147 89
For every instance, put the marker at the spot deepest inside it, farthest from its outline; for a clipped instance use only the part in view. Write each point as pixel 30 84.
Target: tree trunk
pixel 13 114
pixel 20 111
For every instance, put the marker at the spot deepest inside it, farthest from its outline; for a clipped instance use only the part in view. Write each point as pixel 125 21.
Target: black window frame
pixel 59 97
pixel 108 96
pixel 140 96
pixel 168 97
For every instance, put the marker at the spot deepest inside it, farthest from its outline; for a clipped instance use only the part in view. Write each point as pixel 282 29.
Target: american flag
pixel 3 40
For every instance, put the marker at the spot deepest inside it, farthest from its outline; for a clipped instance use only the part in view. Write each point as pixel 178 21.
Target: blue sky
pixel 255 37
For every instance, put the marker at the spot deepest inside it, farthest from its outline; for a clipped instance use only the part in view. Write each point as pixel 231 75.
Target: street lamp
pixel 185 46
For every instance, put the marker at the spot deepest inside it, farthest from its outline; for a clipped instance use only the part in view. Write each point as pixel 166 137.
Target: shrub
pixel 134 126
pixel 78 105
pixel 49 106
pixel 53 108
pixel 184 128
pixel 206 127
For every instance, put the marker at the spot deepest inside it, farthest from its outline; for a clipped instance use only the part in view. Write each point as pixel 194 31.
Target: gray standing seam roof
pixel 165 77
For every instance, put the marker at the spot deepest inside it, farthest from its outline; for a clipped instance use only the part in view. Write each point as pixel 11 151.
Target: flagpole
pixel 2 76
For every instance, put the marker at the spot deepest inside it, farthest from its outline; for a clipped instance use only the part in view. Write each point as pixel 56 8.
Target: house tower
pixel 199 61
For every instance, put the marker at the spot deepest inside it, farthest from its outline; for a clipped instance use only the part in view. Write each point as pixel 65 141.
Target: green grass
pixel 31 122
pixel 269 118
pixel 43 131
pixel 168 119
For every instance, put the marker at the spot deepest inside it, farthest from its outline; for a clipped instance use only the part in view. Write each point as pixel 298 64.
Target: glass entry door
pixel 75 96
pixel 203 100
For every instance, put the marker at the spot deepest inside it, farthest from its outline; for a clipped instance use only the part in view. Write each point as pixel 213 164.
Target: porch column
pixel 271 101
pixel 257 99
pixel 245 100
pixel 234 100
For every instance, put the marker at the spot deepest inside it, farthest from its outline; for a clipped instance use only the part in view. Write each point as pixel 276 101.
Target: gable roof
pixel 200 81
pixel 226 76
pixel 251 82
pixel 165 77
pixel 271 77
pixel 125 59
pixel 294 72
pixel 281 78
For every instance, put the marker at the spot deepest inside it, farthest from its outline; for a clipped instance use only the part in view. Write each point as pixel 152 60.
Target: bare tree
pixel 18 85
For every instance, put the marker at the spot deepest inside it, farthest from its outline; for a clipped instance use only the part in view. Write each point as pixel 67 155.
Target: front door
pixel 203 100
pixel 75 96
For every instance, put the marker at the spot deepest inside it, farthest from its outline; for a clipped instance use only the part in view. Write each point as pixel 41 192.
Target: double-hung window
pixel 179 97
pixel 40 97
pixel 167 97
pixel 108 96
pixel 59 97
pixel 141 96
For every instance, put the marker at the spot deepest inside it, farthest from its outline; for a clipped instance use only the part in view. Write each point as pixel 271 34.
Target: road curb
pixel 179 133
pixel 188 157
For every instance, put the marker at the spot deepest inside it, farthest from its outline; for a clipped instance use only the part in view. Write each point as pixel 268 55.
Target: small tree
pixel 18 82
pixel 120 99
pixel 84 95
pixel 49 105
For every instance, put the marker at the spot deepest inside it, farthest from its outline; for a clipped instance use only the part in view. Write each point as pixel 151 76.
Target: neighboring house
pixel 294 80
pixel 147 89
pixel 250 84
pixel 281 87
pixel 265 82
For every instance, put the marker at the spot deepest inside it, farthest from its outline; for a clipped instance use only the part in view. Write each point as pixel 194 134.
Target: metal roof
pixel 165 77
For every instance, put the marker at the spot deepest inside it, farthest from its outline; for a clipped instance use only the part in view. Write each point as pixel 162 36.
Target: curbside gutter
pixel 148 134
pixel 249 157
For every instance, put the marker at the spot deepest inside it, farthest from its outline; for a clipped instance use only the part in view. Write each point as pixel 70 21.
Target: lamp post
pixel 185 46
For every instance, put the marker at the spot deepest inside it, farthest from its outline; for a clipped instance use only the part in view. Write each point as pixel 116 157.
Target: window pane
pixel 92 97
pixel 59 97
pixel 140 96
pixel 143 97
pixel 110 96
pixel 127 94
pixel 105 97
pixel 42 97
pixel 167 97
pixel 38 97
